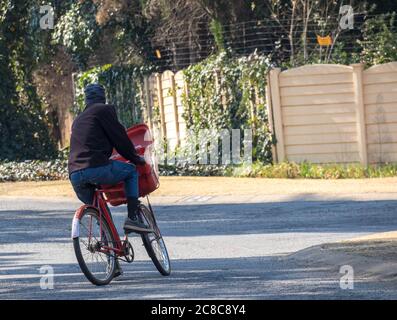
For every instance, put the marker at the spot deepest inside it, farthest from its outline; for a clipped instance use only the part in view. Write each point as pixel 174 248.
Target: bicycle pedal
pixel 137 230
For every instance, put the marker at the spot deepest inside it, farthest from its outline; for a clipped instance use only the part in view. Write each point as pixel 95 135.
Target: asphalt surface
pixel 221 248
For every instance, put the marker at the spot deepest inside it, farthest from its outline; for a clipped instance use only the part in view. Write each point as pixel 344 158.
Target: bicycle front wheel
pixel 94 248
pixel 154 242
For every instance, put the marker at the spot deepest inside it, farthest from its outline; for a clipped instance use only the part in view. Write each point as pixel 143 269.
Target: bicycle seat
pixel 94 185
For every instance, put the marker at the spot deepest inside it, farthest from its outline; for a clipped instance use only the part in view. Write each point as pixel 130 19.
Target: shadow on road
pixel 217 219
pixel 279 217
pixel 246 278
pixel 257 277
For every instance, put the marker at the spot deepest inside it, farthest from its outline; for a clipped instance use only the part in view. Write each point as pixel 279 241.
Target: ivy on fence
pixel 226 92
pixel 123 89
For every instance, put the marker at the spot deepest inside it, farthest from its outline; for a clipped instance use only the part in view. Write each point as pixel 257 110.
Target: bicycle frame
pixel 99 204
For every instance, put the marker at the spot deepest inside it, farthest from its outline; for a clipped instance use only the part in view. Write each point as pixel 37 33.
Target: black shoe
pixel 134 225
pixel 118 272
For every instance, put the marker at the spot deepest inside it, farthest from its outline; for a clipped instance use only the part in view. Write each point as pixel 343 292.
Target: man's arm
pixel 118 136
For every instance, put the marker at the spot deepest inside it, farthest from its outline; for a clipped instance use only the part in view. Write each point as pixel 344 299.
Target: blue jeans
pixel 113 173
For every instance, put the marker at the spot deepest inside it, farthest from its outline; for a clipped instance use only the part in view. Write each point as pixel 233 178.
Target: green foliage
pixel 284 170
pixel 233 103
pixel 217 31
pixel 23 124
pixel 379 43
pixel 290 170
pixel 78 31
pixel 192 170
pixel 34 170
pixel 57 170
pixel 131 35
pixel 128 34
pixel 123 88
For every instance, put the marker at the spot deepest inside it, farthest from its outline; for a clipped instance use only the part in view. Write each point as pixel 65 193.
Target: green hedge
pixel 33 170
pixel 287 170
pixel 57 170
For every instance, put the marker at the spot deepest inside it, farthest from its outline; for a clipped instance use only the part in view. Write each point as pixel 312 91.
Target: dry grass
pixel 189 186
pixel 383 236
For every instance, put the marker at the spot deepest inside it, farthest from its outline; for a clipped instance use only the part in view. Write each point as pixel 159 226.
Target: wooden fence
pixel 163 93
pixel 317 113
pixel 334 113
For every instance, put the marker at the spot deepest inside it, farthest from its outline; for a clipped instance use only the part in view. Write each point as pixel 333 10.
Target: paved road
pixel 221 247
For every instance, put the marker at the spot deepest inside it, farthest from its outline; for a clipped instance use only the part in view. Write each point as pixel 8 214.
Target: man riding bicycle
pixel 95 132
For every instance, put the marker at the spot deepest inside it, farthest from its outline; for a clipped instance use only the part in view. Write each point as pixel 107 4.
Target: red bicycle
pixel 97 244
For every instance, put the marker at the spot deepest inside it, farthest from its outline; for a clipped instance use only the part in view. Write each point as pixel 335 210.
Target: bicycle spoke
pixel 88 231
pixel 155 243
pixel 100 264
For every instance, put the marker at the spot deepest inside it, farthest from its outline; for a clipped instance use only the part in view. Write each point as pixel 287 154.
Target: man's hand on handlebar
pixel 139 160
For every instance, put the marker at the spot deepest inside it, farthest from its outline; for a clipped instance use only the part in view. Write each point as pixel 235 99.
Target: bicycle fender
pixel 75 228
pixel 76 220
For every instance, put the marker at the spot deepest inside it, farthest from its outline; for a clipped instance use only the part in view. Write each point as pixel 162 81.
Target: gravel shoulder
pixel 372 257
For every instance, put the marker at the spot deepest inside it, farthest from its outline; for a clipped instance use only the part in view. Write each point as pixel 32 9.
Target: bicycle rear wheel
pixel 154 242
pixel 93 248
